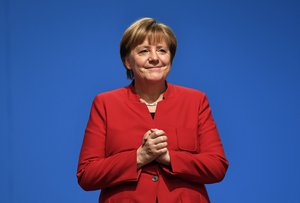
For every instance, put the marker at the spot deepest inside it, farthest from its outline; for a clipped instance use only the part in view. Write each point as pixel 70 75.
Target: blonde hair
pixel 141 29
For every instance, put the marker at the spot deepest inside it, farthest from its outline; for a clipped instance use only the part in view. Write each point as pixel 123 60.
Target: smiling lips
pixel 155 67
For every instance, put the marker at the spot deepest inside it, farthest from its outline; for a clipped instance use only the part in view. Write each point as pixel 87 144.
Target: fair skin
pixel 151 65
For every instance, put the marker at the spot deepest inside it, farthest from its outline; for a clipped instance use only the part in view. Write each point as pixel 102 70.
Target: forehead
pixel 151 37
pixel 148 42
pixel 156 37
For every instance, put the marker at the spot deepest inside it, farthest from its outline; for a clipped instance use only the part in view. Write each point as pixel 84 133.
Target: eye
pixel 143 51
pixel 162 50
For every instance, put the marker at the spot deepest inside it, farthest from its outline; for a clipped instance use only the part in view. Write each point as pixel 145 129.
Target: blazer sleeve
pixel 95 169
pixel 209 165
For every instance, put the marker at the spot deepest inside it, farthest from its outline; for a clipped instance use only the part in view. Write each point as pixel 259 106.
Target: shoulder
pixel 189 96
pixel 111 95
pixel 186 91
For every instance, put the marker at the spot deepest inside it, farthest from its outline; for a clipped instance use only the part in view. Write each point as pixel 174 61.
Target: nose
pixel 153 58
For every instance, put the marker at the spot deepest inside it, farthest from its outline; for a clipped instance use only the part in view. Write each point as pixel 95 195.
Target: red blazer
pixel 117 123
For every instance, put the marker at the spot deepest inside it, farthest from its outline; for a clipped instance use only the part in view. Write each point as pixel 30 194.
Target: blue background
pixel 57 55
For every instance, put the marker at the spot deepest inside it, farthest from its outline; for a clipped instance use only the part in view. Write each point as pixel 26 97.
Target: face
pixel 150 62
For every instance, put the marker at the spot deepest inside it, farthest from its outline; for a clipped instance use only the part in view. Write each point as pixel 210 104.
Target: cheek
pixel 140 62
pixel 166 61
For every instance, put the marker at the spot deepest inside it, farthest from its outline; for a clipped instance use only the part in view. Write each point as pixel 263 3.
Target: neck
pixel 149 92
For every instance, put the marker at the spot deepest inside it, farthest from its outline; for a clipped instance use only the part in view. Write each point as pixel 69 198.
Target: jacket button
pixel 154 178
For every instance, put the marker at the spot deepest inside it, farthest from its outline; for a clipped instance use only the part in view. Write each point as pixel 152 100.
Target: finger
pixel 160 139
pixel 161 145
pixel 157 131
pixel 162 151
pixel 153 135
pixel 156 152
pixel 156 134
pixel 153 129
pixel 146 136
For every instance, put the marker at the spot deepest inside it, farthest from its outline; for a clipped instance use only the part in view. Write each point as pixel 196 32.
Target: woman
pixel 151 141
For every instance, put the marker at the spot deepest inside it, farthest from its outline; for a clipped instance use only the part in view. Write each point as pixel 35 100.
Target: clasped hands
pixel 154 147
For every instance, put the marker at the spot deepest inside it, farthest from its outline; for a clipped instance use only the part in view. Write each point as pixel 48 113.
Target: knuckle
pixel 163 150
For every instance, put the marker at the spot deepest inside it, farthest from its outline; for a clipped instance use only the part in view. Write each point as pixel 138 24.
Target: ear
pixel 127 63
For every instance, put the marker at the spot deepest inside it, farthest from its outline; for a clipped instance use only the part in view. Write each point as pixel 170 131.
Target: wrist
pixel 164 159
pixel 139 161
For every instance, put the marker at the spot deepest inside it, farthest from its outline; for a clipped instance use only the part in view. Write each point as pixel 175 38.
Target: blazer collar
pixel 133 96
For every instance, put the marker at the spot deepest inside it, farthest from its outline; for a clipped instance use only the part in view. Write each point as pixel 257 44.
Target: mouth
pixel 154 67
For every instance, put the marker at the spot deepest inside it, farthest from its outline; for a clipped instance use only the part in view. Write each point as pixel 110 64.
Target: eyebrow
pixel 142 46
pixel 147 46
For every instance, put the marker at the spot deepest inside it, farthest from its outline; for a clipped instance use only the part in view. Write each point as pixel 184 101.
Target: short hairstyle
pixel 141 29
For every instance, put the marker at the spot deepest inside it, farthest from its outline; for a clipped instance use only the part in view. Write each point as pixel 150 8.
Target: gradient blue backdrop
pixel 57 55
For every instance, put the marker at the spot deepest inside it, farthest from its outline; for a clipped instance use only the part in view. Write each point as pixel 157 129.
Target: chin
pixel 156 79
